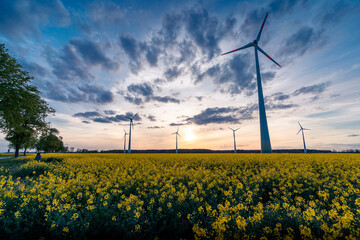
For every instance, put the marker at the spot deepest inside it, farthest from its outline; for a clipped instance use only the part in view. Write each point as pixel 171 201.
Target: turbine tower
pixel 302 131
pixel 131 125
pixel 234 137
pixel 125 133
pixel 264 131
pixel 177 134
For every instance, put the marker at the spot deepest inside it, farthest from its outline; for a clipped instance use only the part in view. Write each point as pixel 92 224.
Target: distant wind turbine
pixel 131 125
pixel 177 134
pixel 302 131
pixel 264 131
pixel 234 137
pixel 125 133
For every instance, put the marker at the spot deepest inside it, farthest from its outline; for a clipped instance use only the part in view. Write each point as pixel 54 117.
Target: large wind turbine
pixel 234 137
pixel 131 125
pixel 125 133
pixel 264 131
pixel 177 134
pixel 302 131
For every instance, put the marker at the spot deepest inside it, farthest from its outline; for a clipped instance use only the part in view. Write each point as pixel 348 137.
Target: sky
pixel 98 62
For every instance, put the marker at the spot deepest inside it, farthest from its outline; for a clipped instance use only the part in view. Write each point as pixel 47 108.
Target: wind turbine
pixel 302 131
pixel 177 134
pixel 125 133
pixel 234 137
pixel 131 125
pixel 264 131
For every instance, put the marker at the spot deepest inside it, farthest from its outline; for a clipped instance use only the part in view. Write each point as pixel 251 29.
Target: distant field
pixel 166 196
pixel 6 154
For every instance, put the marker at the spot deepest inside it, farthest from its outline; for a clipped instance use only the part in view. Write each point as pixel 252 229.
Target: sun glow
pixel 189 135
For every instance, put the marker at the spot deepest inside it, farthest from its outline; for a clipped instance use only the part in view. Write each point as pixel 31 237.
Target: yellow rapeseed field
pixel 168 196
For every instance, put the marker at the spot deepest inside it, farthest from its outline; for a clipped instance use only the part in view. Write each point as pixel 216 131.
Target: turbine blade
pixel 246 46
pixel 300 126
pixel 236 129
pixel 262 26
pixel 262 51
pixel 134 115
pixel 127 117
pixel 298 131
pixel 231 129
pixel 177 130
pixel 306 129
pixel 179 135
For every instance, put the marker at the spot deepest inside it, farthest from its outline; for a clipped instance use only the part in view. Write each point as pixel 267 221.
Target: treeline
pixel 23 111
pixel 200 151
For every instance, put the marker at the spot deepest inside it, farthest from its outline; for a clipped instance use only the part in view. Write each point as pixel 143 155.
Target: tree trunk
pixel 17 148
pixel 25 152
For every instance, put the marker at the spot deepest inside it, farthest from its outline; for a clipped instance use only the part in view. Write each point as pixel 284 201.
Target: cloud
pixel 140 93
pixel 236 75
pixel 206 31
pixel 276 8
pixel 353 135
pixel 155 127
pixel 19 19
pixel 280 96
pixel 313 89
pixel 300 42
pixel 137 51
pixel 177 124
pixel 76 59
pixel 335 13
pixel 92 54
pixel 86 93
pixel 107 116
pixel 152 118
pixel 102 14
pixel 87 114
pixel 143 89
pixel 67 65
pixel 102 120
pixel 34 69
pixel 223 115
pixel 172 73
pixel 165 99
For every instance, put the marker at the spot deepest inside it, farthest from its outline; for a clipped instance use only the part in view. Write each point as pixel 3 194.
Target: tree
pixel 50 141
pixel 22 110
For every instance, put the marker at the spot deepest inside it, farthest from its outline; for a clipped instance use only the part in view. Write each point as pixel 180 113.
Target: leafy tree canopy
pixel 22 110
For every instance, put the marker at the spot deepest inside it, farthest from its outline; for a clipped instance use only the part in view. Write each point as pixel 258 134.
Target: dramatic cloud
pixel 277 8
pixel 333 15
pixel 107 116
pixel 235 76
pixel 22 18
pixel 92 54
pixel 313 89
pixel 87 114
pixel 280 96
pixel 223 115
pixel 67 65
pixel 353 135
pixel 155 127
pixel 141 93
pixel 151 118
pixel 137 51
pixel 86 93
pixel 303 40
pixel 172 73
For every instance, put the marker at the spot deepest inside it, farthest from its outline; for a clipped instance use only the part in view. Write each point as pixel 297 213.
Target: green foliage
pixel 51 142
pixel 22 111
pixel 52 160
pixel 32 169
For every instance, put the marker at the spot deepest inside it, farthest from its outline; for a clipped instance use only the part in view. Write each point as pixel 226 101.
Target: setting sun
pixel 189 136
